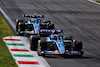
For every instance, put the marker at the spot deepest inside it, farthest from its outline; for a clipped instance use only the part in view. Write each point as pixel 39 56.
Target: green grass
pixel 98 1
pixel 6 59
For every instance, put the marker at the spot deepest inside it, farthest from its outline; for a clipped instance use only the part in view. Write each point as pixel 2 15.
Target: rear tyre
pixel 17 22
pixel 43 26
pixel 51 26
pixel 21 27
pixel 34 42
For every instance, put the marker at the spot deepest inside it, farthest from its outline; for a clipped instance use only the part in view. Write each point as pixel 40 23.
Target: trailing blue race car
pixel 33 25
pixel 53 42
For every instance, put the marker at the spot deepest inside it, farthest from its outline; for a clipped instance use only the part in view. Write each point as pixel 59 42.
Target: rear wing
pixel 33 16
pixel 46 33
pixel 51 31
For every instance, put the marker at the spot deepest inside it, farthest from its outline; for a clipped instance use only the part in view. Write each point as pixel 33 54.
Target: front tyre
pixel 40 48
pixel 79 47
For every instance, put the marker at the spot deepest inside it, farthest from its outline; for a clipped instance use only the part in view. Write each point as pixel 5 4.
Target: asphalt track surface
pixel 77 18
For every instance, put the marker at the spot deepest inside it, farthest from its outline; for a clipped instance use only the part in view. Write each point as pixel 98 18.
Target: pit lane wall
pixel 19 47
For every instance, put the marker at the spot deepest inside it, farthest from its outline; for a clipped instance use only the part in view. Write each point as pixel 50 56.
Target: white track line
pixel 6 16
pixel 94 2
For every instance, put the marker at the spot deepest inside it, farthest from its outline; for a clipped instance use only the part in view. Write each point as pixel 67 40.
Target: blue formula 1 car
pixel 53 42
pixel 33 25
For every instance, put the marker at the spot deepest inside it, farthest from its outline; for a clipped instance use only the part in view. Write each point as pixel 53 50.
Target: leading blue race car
pixel 33 25
pixel 53 42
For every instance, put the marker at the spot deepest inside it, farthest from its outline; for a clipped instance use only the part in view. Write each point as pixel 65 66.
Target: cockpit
pixel 54 37
pixel 32 20
pixel 35 20
pixel 57 37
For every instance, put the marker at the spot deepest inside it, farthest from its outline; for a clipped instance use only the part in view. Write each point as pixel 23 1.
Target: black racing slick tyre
pixel 34 42
pixel 41 47
pixel 22 26
pixel 17 23
pixel 43 26
pixel 78 46
pixel 51 26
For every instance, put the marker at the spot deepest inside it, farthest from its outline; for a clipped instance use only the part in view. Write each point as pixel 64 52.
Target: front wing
pixel 67 52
